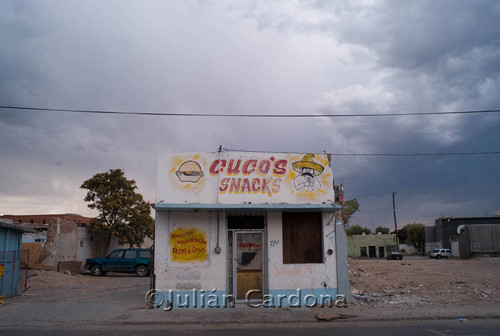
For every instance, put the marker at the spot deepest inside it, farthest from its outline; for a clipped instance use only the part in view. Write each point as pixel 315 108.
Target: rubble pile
pixel 425 281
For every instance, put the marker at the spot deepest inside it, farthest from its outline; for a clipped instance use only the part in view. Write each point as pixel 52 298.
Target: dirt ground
pixel 41 279
pixel 373 281
pixel 425 281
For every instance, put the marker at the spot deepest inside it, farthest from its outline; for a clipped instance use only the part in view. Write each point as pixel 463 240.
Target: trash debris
pixel 332 316
pixel 328 317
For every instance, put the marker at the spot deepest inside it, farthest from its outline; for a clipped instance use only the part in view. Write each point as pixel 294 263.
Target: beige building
pixel 373 246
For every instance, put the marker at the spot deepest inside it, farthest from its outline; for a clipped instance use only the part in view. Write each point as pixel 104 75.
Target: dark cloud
pixel 258 57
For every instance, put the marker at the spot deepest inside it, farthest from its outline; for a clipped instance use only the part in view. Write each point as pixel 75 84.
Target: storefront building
pixel 247 227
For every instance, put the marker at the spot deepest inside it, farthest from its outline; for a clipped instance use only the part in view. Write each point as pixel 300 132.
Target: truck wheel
pixel 96 270
pixel 438 257
pixel 142 271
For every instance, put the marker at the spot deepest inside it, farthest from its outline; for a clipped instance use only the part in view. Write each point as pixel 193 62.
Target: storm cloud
pixel 261 57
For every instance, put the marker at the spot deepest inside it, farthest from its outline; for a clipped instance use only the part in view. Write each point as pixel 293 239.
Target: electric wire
pixel 243 115
pixel 375 154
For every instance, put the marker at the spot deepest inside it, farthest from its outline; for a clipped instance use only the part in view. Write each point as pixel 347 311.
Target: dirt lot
pixel 420 281
pixel 377 281
pixel 414 288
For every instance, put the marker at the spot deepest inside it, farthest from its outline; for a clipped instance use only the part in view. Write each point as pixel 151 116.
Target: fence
pixel 9 272
pixel 412 248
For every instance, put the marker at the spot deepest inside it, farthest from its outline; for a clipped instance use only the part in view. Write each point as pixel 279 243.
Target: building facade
pixel 236 227
pixel 479 240
pixel 10 255
pixel 446 229
pixel 373 246
pixel 45 219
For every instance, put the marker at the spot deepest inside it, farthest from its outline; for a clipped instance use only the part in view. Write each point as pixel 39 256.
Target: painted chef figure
pixel 308 170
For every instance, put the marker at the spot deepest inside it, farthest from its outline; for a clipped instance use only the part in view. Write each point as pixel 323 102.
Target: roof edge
pixel 247 206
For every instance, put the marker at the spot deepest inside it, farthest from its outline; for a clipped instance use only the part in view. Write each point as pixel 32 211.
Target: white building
pixel 247 227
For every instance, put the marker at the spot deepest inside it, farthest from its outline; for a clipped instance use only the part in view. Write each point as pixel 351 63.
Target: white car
pixel 441 253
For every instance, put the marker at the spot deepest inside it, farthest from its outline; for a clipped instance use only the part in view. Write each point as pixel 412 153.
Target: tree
pixel 402 234
pixel 415 234
pixel 349 208
pixel 357 230
pixel 382 230
pixel 122 212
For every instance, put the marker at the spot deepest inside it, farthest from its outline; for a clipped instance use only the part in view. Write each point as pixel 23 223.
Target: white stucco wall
pixel 207 275
pixel 300 276
pixel 243 177
pixel 212 273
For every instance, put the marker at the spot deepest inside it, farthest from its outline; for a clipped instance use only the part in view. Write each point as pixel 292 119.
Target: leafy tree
pixel 122 212
pixel 349 208
pixel 357 230
pixel 382 230
pixel 402 235
pixel 415 234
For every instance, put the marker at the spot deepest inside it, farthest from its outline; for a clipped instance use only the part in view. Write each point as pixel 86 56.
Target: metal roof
pixel 17 227
pixel 322 207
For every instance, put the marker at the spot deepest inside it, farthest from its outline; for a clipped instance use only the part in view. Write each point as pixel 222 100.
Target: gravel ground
pixel 425 280
pixel 386 290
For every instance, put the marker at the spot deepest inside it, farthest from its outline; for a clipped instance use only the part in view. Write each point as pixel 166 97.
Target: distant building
pixel 10 252
pixel 373 246
pixel 45 219
pixel 446 229
pixel 479 240
pixel 40 224
pixel 59 240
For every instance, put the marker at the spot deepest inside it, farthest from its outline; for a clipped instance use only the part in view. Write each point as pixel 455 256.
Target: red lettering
pixel 280 167
pixel 214 167
pixel 255 185
pixel 246 165
pixel 276 185
pixel 246 186
pixel 179 251
pixel 265 186
pixel 264 167
pixel 249 245
pixel 234 186
pixel 224 184
pixel 232 168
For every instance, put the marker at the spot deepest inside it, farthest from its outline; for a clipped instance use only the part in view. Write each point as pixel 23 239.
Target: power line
pixel 414 154
pixel 375 154
pixel 240 115
pixel 416 193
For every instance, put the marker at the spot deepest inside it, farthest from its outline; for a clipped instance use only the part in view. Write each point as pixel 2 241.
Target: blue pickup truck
pixel 122 260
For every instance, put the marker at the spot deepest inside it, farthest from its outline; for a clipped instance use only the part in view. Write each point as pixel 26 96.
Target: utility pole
pixel 395 222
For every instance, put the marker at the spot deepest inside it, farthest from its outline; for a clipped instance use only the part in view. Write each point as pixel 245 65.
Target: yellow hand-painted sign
pixel 188 245
pixel 1 271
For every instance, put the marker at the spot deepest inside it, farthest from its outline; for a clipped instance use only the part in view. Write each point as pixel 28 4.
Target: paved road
pixel 416 328
pixel 107 298
pixel 115 305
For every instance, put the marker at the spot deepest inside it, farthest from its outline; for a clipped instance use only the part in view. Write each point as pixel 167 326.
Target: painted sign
pixel 1 271
pixel 235 177
pixel 188 245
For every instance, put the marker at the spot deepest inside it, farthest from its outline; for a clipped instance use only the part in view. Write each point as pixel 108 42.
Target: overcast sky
pixel 260 57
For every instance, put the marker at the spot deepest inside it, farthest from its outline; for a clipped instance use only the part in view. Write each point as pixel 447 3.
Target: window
pixel 302 238
pixel 130 254
pixel 144 254
pixel 363 252
pixel 116 254
pixel 81 243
